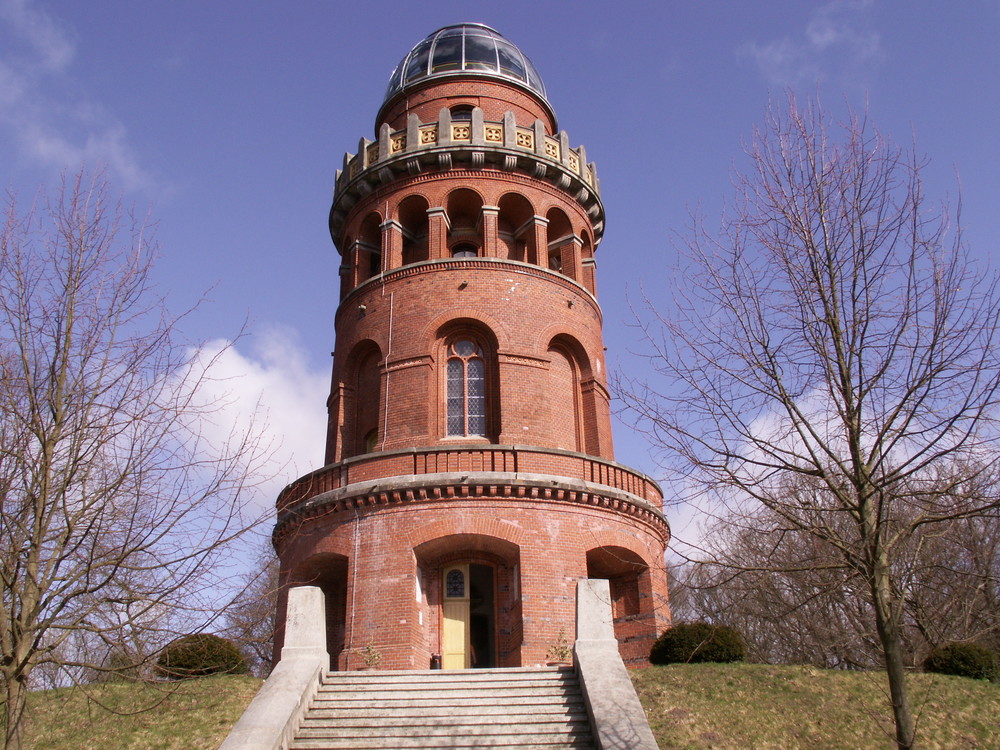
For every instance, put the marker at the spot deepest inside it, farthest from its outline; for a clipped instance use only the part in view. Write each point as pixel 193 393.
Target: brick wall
pixel 538 548
pixel 493 97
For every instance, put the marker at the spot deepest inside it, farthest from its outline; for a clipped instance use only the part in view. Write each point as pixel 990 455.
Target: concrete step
pixel 467 675
pixel 505 713
pixel 510 701
pixel 447 694
pixel 338 730
pixel 447 743
pixel 498 708
pixel 366 686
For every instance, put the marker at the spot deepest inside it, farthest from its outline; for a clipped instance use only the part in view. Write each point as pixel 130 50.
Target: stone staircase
pixel 539 708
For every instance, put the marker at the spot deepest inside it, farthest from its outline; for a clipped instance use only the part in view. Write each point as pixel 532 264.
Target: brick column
pixel 569 256
pixel 392 245
pixel 437 233
pixel 491 241
pixel 537 248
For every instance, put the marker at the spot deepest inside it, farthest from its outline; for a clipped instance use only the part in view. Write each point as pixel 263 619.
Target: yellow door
pixel 455 651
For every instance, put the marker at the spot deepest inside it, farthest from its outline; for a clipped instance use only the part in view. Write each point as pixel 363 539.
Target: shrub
pixel 118 666
pixel 697 642
pixel 200 654
pixel 964 660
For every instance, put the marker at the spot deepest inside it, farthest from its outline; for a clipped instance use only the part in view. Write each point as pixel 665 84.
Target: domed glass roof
pixel 465 48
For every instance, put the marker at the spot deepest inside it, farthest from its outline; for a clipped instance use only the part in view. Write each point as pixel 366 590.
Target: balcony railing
pixel 511 459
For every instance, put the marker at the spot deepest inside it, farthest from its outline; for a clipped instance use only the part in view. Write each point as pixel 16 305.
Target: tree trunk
pixel 16 697
pixel 886 623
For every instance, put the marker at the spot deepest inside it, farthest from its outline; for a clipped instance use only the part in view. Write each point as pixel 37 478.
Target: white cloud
pixel 264 382
pixel 36 60
pixel 835 44
pixel 51 42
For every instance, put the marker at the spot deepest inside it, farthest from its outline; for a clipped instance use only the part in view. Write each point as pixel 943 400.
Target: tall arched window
pixel 466 388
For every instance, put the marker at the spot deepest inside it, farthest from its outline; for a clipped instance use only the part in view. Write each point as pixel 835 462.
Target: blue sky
pixel 228 120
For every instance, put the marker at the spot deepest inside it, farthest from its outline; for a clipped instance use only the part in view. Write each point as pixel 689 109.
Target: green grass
pixel 765 707
pixel 186 715
pixel 691 707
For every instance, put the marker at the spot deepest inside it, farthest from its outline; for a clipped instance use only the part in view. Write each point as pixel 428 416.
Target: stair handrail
pixel 270 721
pixel 616 716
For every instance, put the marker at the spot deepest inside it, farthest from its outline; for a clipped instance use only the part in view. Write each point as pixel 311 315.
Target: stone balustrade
pixel 446 132
pixel 507 459
pixel 476 142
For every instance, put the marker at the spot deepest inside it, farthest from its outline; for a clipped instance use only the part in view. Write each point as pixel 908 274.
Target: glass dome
pixel 465 48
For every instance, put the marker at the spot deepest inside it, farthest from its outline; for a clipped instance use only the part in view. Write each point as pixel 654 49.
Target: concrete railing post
pixel 270 720
pixel 616 715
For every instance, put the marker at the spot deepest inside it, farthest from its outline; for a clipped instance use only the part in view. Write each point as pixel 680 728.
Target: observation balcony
pixel 454 471
pixel 441 145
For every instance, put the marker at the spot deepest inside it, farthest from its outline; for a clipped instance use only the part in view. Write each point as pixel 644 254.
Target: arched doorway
pixel 329 572
pixel 471 585
pixel 631 598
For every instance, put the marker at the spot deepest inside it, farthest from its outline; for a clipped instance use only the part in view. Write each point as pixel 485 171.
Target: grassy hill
pixel 765 707
pixel 188 715
pixel 691 707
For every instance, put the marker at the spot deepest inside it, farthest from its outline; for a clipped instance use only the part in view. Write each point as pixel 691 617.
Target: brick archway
pixel 494 616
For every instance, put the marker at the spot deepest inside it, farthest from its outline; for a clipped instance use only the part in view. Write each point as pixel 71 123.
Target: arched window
pixel 464 250
pixel 466 388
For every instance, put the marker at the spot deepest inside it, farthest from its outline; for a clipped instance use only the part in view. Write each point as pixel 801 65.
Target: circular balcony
pixel 452 471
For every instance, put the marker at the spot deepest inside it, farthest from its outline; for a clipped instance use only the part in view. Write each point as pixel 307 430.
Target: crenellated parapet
pixel 471 143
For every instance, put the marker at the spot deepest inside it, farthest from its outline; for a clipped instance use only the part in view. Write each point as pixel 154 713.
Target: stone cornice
pixel 469 485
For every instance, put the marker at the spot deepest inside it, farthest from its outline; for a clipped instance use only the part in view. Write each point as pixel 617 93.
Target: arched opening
pixel 413 220
pixel 574 404
pixel 472 590
pixel 559 235
pixel 465 211
pixel 329 573
pixel 362 391
pixel 563 398
pixel 370 247
pixel 588 274
pixel 515 226
pixel 347 267
pixel 461 113
pixel 631 598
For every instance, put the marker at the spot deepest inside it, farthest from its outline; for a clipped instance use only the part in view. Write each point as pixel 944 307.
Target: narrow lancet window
pixel 466 389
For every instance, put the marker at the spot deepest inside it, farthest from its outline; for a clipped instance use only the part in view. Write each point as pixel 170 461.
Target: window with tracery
pixel 454 584
pixel 466 388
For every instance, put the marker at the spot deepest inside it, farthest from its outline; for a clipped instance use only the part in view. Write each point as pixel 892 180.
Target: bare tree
pixel 833 330
pixel 807 605
pixel 116 510
pixel 252 618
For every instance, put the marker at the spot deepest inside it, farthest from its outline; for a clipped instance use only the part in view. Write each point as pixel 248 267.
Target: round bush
pixel 200 654
pixel 964 660
pixel 698 642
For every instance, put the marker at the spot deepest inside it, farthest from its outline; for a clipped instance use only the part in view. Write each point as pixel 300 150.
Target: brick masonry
pixel 534 496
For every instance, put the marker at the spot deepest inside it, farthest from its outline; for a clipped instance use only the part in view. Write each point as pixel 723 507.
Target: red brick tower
pixel 470 478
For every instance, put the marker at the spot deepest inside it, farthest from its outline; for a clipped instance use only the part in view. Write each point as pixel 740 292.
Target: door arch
pixel 491 568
